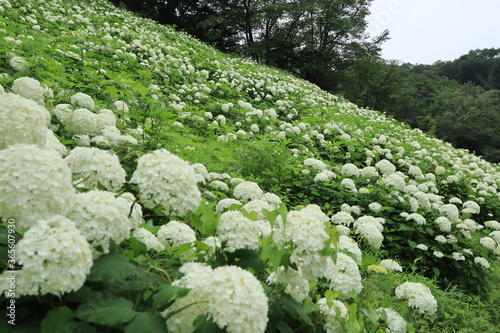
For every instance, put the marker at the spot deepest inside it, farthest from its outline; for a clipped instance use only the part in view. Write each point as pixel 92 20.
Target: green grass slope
pixel 208 193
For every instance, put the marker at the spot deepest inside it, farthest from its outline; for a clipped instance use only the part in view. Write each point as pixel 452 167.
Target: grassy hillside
pixel 151 183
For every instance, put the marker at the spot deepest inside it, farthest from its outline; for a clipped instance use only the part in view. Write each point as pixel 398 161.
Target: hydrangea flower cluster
pixel 49 248
pixel 418 296
pixel 34 184
pixel 167 180
pixel 233 297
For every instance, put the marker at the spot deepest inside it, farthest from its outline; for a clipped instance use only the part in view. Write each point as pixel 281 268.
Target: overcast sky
pixel 424 31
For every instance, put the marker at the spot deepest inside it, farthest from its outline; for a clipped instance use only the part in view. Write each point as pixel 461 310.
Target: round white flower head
pixel 82 121
pixel 422 247
pixel 343 275
pixel 349 184
pixel 386 167
pixel 101 217
pixel 82 100
pixel 176 233
pixel 105 118
pixel 238 231
pixel 237 301
pixel 64 113
pixel 443 223
pixel 272 199
pixel 439 170
pixel 333 322
pixel 323 176
pixel 247 191
pixel 395 323
pixel 471 207
pixel 34 184
pixel 482 261
pixel 368 172
pixel 395 181
pixel 257 206
pixel 495 235
pixel 200 169
pixel 493 225
pixel 121 106
pixel 375 207
pixel 22 121
pixel 305 229
pixel 391 265
pixel 343 218
pixel 419 219
pixel 56 258
pixel 182 313
pixel 350 170
pixel 145 236
pixel 349 245
pixel 167 180
pixel 316 164
pixel 488 243
pixel 29 88
pixel 370 229
pixel 94 166
pixel 226 203
pixel 297 285
pixel 418 295
pixel 134 209
pixel 219 185
pixel 19 64
pixel 451 212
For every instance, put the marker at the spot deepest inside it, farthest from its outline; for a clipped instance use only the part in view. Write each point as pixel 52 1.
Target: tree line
pixel 326 42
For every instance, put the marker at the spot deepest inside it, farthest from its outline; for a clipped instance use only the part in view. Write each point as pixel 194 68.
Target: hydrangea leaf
pixel 108 310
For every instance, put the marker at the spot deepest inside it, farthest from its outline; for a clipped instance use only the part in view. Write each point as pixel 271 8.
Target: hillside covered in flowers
pixel 150 183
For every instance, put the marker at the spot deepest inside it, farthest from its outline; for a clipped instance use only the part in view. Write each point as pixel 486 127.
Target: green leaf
pixel 203 324
pixel 107 310
pixel 111 267
pixel 146 322
pixel 295 309
pixel 167 293
pixel 58 320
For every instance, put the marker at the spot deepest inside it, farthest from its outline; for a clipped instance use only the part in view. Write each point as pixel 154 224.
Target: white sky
pixel 424 31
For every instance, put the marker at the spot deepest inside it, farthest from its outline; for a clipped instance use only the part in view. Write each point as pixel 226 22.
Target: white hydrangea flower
pixel 238 231
pixel 370 228
pixel 34 184
pixel 105 118
pixel 257 206
pixel 350 170
pixel 451 212
pixel 19 64
pixel 375 207
pixel 482 261
pixel 121 106
pixel 418 295
pixel 323 176
pixel 22 121
pixel 297 285
pixel 81 100
pixel 316 164
pixel 419 219
pixel 100 217
pixel 237 301
pixel 82 121
pixel 495 235
pixel 444 223
pixel 422 247
pixel 349 184
pixel 349 245
pixel 219 185
pixel 391 265
pixel 333 322
pixel 395 322
pixel 29 88
pixel 145 236
pixel 488 243
pixel 247 191
pixel 471 207
pixel 493 225
pixel 56 259
pixel 386 167
pixel 343 275
pixel 272 199
pixel 54 144
pixel 225 203
pixel 458 256
pixel 167 180
pixel 95 166
pixel 304 229
pixel 176 233
pixel 343 218
pixel 396 181
pixel 182 313
pixel 368 172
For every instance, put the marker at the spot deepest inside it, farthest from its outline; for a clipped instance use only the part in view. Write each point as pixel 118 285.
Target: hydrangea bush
pixel 150 183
